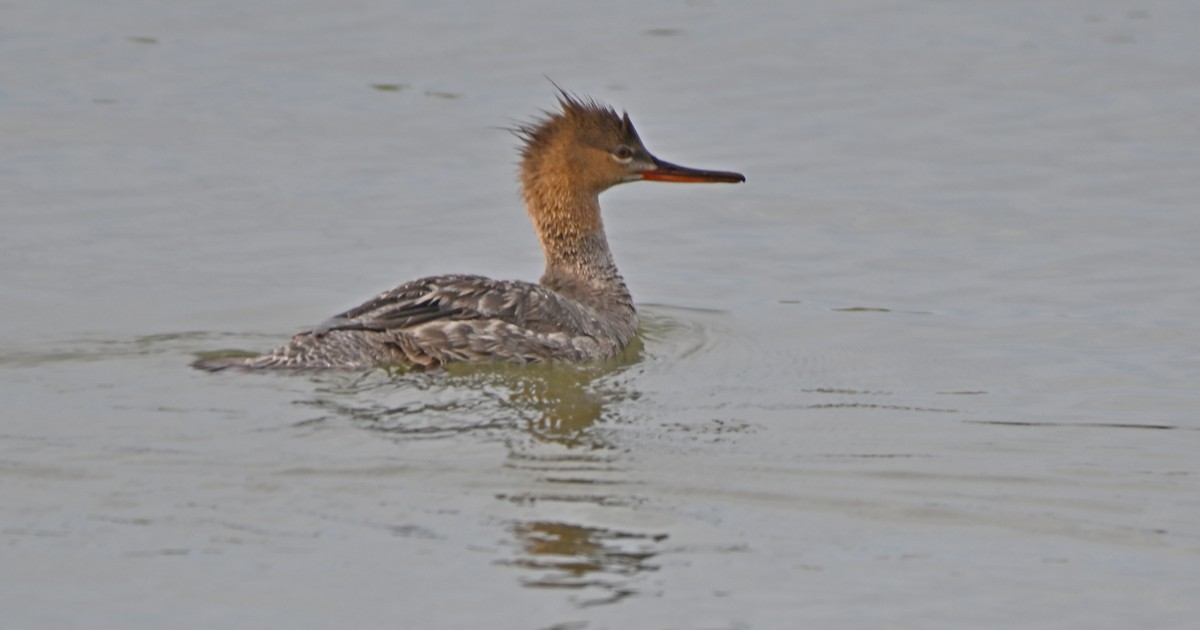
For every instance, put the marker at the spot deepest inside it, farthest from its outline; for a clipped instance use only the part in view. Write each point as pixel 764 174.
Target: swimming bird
pixel 580 310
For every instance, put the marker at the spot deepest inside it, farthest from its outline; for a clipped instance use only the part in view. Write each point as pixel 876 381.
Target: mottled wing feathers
pixel 461 297
pixel 436 320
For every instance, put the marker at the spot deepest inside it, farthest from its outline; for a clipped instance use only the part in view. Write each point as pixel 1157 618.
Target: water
pixel 933 366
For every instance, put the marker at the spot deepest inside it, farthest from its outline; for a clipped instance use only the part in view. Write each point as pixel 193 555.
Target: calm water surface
pixel 933 366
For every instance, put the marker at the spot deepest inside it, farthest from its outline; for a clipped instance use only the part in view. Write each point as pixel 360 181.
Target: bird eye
pixel 622 153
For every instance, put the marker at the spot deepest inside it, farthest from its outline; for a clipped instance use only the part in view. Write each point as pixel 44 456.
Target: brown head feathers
pixel 594 124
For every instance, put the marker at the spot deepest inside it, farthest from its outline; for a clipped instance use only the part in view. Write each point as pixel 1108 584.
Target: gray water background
pixel 933 366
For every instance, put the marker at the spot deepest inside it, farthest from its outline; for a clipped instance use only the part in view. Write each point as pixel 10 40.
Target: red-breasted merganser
pixel 580 310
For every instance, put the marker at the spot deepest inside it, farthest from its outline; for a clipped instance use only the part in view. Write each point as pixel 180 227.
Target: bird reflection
pixel 570 556
pixel 552 403
pixel 564 408
pixel 552 419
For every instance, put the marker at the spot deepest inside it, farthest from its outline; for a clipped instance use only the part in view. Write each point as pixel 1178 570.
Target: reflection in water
pixel 576 557
pixel 558 404
pixel 557 423
pixel 558 408
pixel 551 418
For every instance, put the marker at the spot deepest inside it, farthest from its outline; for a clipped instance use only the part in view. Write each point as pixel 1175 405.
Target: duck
pixel 580 310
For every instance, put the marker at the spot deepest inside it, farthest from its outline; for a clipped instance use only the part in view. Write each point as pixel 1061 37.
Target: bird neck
pixel 579 263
